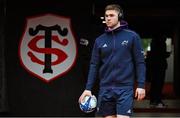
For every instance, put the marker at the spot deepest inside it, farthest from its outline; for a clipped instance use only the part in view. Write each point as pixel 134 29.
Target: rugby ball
pixel 89 104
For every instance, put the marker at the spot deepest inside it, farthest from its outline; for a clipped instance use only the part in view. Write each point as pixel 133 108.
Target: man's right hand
pixel 85 93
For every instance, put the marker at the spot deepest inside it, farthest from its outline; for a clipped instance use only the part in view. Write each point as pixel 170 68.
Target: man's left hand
pixel 140 93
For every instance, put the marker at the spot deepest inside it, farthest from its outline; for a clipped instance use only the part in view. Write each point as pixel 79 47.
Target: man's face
pixel 111 18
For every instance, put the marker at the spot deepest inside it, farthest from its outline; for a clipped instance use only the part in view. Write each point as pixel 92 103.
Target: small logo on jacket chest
pixel 125 42
pixel 105 45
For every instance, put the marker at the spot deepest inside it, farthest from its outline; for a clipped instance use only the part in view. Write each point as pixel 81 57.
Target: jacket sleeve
pixel 94 66
pixel 138 55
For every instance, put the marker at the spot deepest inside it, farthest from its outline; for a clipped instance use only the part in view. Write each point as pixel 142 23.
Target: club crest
pixel 48 48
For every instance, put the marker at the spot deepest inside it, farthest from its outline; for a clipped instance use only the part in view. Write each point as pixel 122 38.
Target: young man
pixel 117 59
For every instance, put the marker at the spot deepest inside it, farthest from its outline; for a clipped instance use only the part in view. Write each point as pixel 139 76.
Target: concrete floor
pixel 142 109
pixel 172 103
pixel 150 115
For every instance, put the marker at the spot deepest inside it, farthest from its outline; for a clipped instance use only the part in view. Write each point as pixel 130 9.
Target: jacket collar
pixel 123 25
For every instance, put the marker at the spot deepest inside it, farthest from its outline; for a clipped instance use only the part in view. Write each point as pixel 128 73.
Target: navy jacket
pixel 117 59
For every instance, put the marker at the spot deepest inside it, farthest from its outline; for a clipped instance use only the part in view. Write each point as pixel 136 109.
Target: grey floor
pixel 150 115
pixel 172 104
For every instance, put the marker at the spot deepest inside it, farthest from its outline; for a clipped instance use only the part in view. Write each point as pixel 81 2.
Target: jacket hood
pixel 123 25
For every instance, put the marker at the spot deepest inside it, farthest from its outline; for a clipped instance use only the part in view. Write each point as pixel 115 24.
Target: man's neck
pixel 116 26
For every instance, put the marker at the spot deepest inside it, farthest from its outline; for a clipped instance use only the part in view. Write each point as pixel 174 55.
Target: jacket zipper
pixel 113 41
pixel 113 51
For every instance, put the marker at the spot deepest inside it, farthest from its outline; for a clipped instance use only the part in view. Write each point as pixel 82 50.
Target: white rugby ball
pixel 89 104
